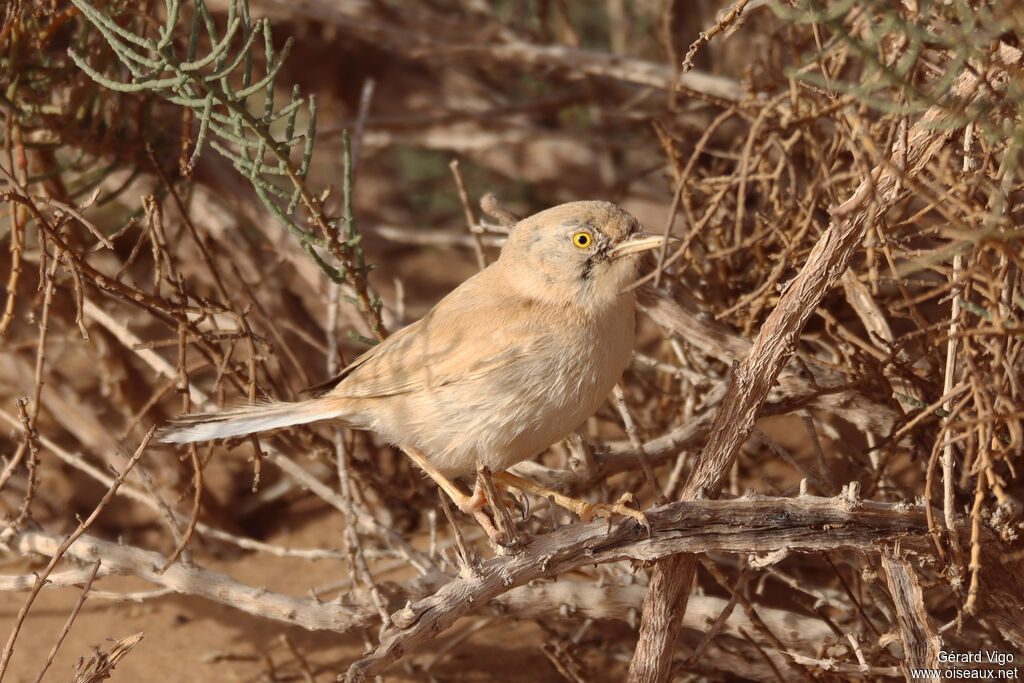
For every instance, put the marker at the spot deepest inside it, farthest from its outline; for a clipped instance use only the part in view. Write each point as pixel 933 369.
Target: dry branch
pixel 194 580
pixel 7 538
pixel 921 643
pixel 757 525
pixel 102 662
pixel 71 620
pixel 506 49
pixel 776 342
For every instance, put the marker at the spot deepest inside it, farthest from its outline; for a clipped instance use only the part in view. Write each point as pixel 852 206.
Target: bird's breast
pixel 553 390
pixel 550 377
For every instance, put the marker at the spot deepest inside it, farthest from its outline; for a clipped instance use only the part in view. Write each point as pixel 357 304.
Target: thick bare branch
pixel 775 344
pixel 755 525
pixel 921 643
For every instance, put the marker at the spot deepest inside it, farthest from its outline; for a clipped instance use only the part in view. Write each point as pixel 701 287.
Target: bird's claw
pixel 522 504
pixel 587 511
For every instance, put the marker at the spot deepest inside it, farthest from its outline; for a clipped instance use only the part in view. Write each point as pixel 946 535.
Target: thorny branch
pixel 774 345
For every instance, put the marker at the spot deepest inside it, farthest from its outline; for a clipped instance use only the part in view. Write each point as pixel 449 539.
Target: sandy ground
pixel 190 639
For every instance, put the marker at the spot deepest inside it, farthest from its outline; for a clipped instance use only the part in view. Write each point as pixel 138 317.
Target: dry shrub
pixel 170 250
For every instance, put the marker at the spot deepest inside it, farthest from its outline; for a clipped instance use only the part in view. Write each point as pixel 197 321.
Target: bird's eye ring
pixel 582 240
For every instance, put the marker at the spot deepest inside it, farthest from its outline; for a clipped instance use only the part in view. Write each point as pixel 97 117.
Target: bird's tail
pixel 246 420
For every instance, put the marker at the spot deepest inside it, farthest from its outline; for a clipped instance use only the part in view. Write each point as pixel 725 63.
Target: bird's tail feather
pixel 246 420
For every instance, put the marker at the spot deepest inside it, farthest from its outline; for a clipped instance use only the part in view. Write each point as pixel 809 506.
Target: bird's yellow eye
pixel 582 239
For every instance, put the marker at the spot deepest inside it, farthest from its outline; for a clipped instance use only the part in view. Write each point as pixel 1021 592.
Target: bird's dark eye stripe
pixel 588 266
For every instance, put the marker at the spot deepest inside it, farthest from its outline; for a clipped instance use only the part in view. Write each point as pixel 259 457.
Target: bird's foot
pixel 584 510
pixel 587 511
pixel 474 507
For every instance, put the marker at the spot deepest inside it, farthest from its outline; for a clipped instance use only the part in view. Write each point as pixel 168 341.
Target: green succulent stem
pixel 201 83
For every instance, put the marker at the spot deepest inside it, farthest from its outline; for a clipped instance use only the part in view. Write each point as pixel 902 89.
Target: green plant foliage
pixel 220 88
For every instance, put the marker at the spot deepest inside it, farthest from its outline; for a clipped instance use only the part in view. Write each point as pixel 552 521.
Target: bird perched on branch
pixel 511 361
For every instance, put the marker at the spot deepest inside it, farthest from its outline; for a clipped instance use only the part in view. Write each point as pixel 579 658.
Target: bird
pixel 509 362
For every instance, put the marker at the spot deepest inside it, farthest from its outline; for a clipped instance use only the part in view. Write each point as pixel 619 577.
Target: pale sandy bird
pixel 511 361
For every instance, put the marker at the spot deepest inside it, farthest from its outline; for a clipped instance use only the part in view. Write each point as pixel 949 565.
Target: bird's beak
pixel 636 243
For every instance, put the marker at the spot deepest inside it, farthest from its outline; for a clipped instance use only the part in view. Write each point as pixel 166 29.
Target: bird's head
pixel 585 252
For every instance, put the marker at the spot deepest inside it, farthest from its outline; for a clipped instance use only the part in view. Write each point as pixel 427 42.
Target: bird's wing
pixel 381 348
pixel 472 331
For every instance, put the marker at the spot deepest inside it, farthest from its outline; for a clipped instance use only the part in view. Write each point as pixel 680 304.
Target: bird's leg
pixel 586 511
pixel 471 505
pixel 485 484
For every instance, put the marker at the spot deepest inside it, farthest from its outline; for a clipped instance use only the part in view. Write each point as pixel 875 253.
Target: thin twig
pixel 71 620
pixel 62 548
